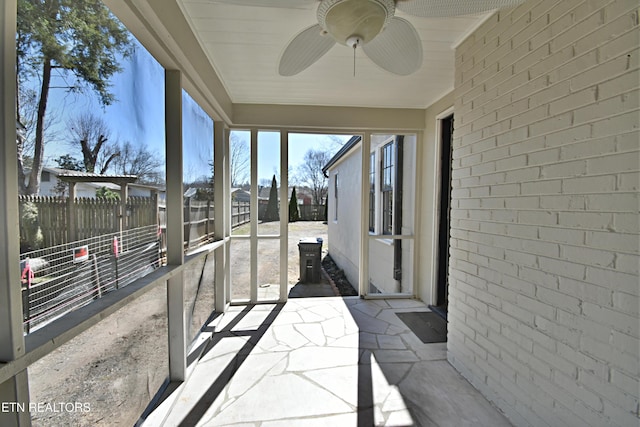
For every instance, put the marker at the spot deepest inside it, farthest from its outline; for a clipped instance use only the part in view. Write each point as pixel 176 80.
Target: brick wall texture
pixel 544 288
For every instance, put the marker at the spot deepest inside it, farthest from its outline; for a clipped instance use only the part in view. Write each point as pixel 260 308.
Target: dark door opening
pixel 446 133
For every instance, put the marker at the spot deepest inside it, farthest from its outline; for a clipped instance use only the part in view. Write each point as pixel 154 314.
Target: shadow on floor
pixel 307 290
pixel 223 379
pixel 201 351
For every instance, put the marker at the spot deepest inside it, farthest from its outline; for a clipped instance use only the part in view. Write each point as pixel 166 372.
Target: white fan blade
pixel 288 4
pixel 305 49
pixel 397 49
pixel 440 8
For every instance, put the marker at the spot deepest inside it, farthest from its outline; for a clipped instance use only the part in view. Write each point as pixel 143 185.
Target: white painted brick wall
pixel 544 286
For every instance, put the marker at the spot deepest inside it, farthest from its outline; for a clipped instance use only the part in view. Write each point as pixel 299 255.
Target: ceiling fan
pixel 389 41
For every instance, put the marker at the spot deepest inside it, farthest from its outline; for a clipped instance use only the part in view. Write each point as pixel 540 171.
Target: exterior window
pixel 45 176
pixel 386 187
pixel 335 196
pixel 372 193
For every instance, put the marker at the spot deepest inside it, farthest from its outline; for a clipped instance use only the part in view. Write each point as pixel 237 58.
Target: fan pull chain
pixel 354 42
pixel 354 59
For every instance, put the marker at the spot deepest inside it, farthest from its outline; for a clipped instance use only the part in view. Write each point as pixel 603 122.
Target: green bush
pixel 33 234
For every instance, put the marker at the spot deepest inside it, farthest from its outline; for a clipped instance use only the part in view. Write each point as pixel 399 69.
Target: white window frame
pixel 378 199
pixel 367 236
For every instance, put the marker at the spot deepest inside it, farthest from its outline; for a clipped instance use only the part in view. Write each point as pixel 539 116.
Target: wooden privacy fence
pixel 91 217
pixel 199 220
pixel 312 212
pixel 240 213
pixel 98 216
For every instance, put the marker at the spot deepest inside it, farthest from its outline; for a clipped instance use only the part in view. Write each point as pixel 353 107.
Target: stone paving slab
pixel 324 362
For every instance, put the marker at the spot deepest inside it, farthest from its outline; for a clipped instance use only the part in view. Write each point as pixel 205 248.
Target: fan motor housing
pixel 363 19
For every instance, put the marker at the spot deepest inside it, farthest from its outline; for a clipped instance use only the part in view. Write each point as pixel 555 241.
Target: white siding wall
pixel 544 260
pixel 344 234
pixel 381 266
pixel 48 188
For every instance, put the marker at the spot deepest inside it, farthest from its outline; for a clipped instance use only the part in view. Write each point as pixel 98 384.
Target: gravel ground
pixel 338 277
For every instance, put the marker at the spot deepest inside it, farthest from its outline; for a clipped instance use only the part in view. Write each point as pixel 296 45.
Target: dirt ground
pixel 112 370
pixel 269 254
pixel 116 367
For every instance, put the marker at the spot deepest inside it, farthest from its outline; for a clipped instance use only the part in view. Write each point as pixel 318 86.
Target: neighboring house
pixel 50 185
pixel 302 194
pixel 240 195
pixel 390 212
pixel 144 190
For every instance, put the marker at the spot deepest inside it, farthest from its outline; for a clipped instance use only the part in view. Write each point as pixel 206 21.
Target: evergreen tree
pixel 107 193
pixel 69 163
pixel 272 213
pixel 294 213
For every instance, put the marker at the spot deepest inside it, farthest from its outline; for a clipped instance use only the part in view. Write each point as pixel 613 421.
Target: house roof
pixel 348 146
pixel 112 182
pixel 77 176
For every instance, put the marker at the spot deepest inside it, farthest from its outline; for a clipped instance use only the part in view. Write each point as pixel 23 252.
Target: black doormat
pixel 427 326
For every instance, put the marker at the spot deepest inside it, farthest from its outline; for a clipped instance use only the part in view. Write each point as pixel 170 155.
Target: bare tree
pixel 264 182
pixel 90 133
pixel 332 144
pixel 240 156
pixel 139 161
pixel 310 174
pixel 108 154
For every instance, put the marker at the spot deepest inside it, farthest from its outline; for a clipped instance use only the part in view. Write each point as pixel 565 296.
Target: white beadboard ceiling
pixel 244 45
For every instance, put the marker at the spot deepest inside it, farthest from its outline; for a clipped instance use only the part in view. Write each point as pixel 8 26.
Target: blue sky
pixel 138 116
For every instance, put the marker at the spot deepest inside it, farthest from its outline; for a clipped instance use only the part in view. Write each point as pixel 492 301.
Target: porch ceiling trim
pixel 327 118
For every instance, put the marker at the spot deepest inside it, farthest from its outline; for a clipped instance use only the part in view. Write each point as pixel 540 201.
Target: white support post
pixel 175 228
pixel 363 275
pixel 220 204
pixel 254 217
pixel 417 218
pixel 227 218
pixel 284 215
pixel 16 389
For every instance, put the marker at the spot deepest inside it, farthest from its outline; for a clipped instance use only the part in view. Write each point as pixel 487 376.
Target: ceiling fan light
pixel 364 19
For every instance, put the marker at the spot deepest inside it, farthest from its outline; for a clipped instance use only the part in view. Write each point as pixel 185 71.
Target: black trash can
pixel 310 259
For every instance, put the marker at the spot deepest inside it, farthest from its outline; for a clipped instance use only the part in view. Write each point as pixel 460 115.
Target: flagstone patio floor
pixel 321 362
